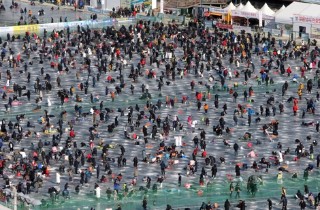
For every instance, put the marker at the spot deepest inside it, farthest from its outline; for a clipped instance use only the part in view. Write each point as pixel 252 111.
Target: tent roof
pixel 304 9
pixel 248 8
pixel 266 10
pixel 240 6
pixel 280 10
pixel 230 7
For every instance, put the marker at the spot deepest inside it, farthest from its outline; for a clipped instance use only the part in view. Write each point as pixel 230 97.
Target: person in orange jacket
pixel 112 95
pixel 206 107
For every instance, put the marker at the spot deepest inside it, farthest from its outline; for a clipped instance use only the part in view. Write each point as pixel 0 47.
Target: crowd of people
pixel 97 107
pixel 47 13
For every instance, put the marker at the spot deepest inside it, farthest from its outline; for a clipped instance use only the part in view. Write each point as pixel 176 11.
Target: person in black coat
pixel 214 170
pixel 237 169
pixel 227 205
pixel 241 205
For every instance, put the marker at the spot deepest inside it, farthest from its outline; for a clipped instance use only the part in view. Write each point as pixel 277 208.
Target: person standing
pixel 284 202
pixel 144 203
pixel 231 188
pixel 237 189
pixel 179 180
pixel 227 205
pixel 302 204
pixel 236 148
pixel 214 171
pixel 269 203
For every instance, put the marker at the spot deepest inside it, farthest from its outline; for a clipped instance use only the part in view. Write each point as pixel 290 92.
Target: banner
pixel 224 26
pixel 307 19
pixel 267 17
pixel 244 14
pixel 25 28
pixel 240 28
pixel 218 10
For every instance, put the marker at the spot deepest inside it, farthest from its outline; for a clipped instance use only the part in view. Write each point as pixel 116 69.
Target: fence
pixel 178 197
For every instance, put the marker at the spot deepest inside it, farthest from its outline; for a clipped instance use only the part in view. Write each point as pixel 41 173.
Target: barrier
pixel 5 30
pixel 176 18
pixel 19 30
pixel 224 26
pixel 266 30
pixel 39 28
pixel 240 28
pixel 146 18
pixel 98 11
pixel 276 32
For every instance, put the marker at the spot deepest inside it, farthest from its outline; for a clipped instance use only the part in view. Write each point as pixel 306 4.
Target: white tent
pixel 279 10
pixel 249 8
pixel 240 6
pixel 248 11
pixel 266 10
pixel 231 7
pixel 295 9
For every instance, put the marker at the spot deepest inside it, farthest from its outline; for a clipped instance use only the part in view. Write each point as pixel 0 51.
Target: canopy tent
pixel 279 10
pixel 230 7
pixel 229 10
pixel 248 11
pixel 299 12
pixel 240 6
pixel 249 8
pixel 266 10
pixel 267 13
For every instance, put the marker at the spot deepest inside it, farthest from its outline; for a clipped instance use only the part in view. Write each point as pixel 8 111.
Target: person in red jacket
pixel 295 109
pixel 204 153
pixel 72 134
pixel 289 71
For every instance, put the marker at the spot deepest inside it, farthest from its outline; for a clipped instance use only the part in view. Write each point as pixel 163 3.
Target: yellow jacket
pixel 301 86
